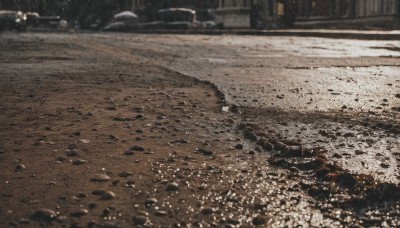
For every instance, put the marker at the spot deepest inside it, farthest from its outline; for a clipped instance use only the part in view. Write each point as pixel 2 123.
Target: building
pixel 348 13
pixel 255 13
pixel 329 13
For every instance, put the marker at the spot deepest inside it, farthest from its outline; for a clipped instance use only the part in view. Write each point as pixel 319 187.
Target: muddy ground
pixel 96 134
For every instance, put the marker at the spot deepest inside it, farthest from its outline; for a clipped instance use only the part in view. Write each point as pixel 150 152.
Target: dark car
pixel 32 18
pixel 12 20
pixel 177 18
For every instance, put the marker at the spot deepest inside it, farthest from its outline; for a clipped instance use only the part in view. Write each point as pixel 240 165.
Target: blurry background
pixel 231 13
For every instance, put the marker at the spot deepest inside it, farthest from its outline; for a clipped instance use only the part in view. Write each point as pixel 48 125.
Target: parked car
pixel 32 18
pixel 177 18
pixel 123 21
pixel 12 20
pixel 207 18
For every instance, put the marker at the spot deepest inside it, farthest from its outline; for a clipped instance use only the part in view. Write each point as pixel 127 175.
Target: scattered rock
pixel 137 148
pixel 44 214
pixel 100 178
pixel 20 167
pixel 336 155
pixel 206 152
pixel 384 165
pixel 79 213
pixel 139 116
pixel 161 213
pixel 233 221
pixel 72 146
pixel 108 195
pixel 346 180
pixel 125 174
pixel 172 186
pixel 259 220
pixel 61 158
pixel 207 210
pixel 150 201
pixel 139 220
pixel 239 146
pixel 109 225
pixel 79 162
pixel 72 152
pixel 121 118
pixel 129 152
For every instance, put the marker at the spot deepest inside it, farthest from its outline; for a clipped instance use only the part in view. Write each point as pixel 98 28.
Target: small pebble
pixel 72 152
pixel 259 220
pixel 137 148
pixel 151 201
pixel 44 214
pixel 207 210
pixel 161 213
pixel 172 186
pixel 239 146
pixel 79 162
pixel 108 195
pixel 79 213
pixel 100 178
pixel 206 152
pixel 140 220
pixel 125 174
pixel 20 167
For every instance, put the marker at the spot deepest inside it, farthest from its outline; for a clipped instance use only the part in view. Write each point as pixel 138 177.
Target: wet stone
pixel 82 195
pixel 207 210
pixel 161 213
pixel 79 162
pixel 206 152
pixel 72 146
pixel 72 152
pixel 139 220
pixel 118 118
pixel 385 166
pixel 100 178
pixel 20 167
pixel 172 186
pixel 259 220
pixel 106 212
pixel 125 174
pixel 137 148
pixel 139 116
pixel 44 214
pixel 61 159
pixel 233 221
pixel 151 201
pixel 79 213
pixel 108 195
pixel 239 146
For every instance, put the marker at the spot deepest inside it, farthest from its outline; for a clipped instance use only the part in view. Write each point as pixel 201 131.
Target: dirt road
pixel 122 130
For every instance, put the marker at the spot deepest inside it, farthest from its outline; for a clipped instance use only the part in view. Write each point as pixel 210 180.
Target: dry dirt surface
pixel 91 136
